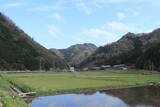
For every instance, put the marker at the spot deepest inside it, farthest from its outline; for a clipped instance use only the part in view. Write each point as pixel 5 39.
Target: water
pixel 134 97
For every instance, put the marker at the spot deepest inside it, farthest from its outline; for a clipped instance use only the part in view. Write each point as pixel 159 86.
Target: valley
pixel 73 82
pixel 79 53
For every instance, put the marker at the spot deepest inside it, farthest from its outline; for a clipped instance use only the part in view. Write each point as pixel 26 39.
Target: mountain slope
pixel 127 50
pixel 19 52
pixel 76 53
pixel 150 58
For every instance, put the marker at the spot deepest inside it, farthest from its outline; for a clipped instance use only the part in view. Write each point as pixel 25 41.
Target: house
pixel 118 66
pixel 124 68
pixel 95 68
pixel 72 69
pixel 103 67
pixel 85 69
pixel 121 67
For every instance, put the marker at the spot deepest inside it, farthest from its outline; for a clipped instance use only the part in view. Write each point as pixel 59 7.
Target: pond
pixel 148 96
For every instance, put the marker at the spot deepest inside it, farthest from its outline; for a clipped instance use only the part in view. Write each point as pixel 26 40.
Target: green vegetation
pixel 64 82
pixel 125 51
pixel 75 54
pixel 4 85
pixel 140 50
pixel 6 98
pixel 151 58
pixel 51 83
pixel 18 51
pixel 12 101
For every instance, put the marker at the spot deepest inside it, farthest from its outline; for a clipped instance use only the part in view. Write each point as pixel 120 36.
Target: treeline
pixel 142 51
pixel 18 51
pixel 112 54
pixel 150 59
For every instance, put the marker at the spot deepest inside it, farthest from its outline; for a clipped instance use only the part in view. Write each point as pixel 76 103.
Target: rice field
pixel 76 81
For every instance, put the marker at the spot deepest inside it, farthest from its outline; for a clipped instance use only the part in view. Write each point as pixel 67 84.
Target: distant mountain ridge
pixel 128 50
pixel 75 54
pixel 18 51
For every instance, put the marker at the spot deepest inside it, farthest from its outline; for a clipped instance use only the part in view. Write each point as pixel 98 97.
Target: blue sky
pixel 61 23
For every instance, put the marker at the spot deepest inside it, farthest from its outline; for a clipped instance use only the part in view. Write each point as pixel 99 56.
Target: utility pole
pixel 40 65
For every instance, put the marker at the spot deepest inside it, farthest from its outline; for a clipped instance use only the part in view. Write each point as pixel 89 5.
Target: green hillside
pixel 150 59
pixel 20 52
pixel 131 49
pixel 75 54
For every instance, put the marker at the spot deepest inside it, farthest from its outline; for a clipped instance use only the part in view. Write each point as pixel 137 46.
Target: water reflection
pixel 133 97
pixel 138 97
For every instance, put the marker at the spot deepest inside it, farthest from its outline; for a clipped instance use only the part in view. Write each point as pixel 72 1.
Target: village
pixel 104 67
pixel 74 69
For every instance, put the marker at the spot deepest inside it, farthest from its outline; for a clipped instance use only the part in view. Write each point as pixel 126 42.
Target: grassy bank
pixel 52 83
pixel 6 98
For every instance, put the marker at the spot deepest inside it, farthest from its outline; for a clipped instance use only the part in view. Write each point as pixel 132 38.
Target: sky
pixel 62 23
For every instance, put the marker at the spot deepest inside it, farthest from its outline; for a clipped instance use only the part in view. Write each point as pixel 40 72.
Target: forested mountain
pixel 76 54
pixel 141 50
pixel 18 51
pixel 150 59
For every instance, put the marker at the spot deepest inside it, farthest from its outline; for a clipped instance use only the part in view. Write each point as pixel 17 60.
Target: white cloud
pixel 83 7
pixel 13 5
pixel 46 8
pixel 98 6
pixel 120 15
pixel 56 16
pixel 117 1
pixel 148 31
pixel 100 33
pixel 114 0
pixel 58 5
pixel 110 1
pixel 136 13
pixel 53 31
pixel 109 32
pixel 122 27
